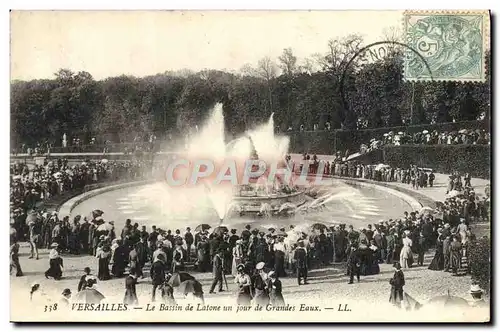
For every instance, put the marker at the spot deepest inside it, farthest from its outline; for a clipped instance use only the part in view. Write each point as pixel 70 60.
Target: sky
pixel 141 43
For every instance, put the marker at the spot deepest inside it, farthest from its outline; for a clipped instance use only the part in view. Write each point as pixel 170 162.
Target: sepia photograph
pixel 242 166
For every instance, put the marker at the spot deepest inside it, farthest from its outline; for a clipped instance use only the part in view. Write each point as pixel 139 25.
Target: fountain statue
pixel 261 143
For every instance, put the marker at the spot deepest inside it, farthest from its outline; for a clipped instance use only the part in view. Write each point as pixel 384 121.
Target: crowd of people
pixel 461 200
pixel 257 258
pixel 31 187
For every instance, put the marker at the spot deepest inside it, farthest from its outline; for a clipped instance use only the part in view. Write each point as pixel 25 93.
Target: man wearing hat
pixel 300 257
pixel 66 295
pixel 353 264
pixel 245 234
pixel 157 273
pixel 233 238
pixel 189 240
pixel 218 271
pixel 446 251
pixel 477 297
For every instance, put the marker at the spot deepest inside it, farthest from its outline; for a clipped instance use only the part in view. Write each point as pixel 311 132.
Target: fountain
pixel 260 143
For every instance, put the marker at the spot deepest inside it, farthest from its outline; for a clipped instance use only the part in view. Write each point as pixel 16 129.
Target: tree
pixel 288 62
pixel 267 69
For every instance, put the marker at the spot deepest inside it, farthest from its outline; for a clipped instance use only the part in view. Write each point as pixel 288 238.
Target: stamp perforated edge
pixel 486 42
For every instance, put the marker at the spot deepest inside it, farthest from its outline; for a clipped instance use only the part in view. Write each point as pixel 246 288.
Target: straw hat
pixel 54 245
pixel 260 265
pixel 475 289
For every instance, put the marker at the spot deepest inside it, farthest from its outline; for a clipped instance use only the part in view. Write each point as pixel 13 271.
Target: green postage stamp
pixel 446 45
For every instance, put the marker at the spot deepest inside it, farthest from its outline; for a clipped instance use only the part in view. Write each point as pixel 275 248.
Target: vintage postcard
pixel 250 166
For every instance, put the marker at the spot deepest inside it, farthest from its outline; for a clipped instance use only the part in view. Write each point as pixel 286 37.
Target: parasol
pixel 190 286
pixel 202 227
pixel 319 226
pixel 386 134
pixel 410 303
pixel 381 166
pixel 447 301
pixel 106 227
pixel 89 295
pixel 97 213
pixel 271 228
pixel 177 278
pixel 221 229
pixel 426 209
pixel 400 133
pixel 287 206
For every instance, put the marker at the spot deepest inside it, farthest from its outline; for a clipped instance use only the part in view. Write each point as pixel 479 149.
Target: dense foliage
pixel 480 263
pixel 299 92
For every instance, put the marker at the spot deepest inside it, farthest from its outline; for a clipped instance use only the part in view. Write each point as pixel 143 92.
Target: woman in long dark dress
pixel 130 291
pixel 104 256
pixel 397 282
pixel 119 260
pixel 275 290
pixel 55 262
pixel 437 263
pixel 375 268
pixel 366 259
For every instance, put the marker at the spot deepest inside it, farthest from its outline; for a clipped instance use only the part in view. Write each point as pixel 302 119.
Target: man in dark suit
pixel 153 238
pixel 245 234
pixel 353 264
pixel 189 239
pixel 214 245
pixel 233 238
pixel 157 272
pixel 421 248
pixel 142 254
pixel 447 252
pixel 218 271
pixel 300 257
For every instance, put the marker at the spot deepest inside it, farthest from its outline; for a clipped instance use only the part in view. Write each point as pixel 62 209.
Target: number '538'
pixel 50 308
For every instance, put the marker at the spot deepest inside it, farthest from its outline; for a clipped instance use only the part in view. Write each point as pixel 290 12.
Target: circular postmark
pixel 374 50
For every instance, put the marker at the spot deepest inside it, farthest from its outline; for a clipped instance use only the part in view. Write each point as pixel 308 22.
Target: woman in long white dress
pixel 406 255
pixel 237 258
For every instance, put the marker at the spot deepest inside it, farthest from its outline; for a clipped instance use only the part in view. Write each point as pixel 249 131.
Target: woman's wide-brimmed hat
pixel 54 245
pixel 66 291
pixel 271 273
pixel 397 266
pixel 240 267
pixel 475 289
pixel 260 265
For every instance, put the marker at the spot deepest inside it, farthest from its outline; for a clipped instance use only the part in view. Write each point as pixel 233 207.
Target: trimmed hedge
pixel 446 159
pixel 480 263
